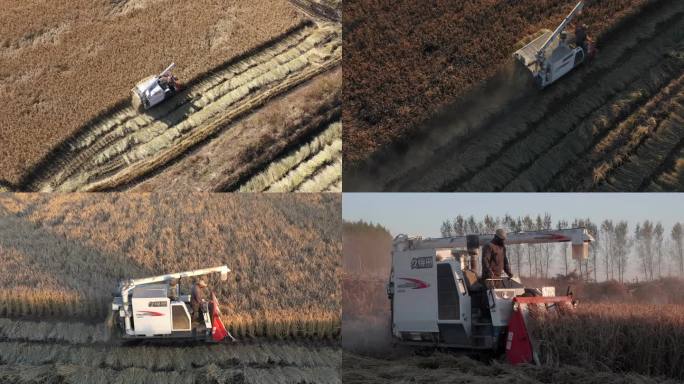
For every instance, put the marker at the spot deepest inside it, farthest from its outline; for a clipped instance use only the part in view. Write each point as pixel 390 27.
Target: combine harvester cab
pixel 144 309
pixel 438 300
pixel 555 53
pixel 155 89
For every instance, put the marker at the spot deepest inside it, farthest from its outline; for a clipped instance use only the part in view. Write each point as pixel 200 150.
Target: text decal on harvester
pixel 421 262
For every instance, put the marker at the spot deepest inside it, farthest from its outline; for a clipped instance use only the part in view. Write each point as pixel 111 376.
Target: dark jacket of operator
pixel 494 260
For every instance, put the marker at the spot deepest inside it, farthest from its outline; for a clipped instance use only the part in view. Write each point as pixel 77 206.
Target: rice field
pixel 117 149
pixel 112 144
pixel 613 124
pixel 62 256
pixel 78 61
pixel 639 338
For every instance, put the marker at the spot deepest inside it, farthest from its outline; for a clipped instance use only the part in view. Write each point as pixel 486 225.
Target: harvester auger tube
pixel 153 308
pixel 438 300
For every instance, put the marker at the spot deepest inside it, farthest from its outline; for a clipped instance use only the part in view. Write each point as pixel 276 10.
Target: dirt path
pixel 127 144
pixel 510 136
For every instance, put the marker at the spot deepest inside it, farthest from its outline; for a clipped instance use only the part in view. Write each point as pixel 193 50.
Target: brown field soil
pixel 612 124
pixel 61 67
pixel 62 255
pixel 250 144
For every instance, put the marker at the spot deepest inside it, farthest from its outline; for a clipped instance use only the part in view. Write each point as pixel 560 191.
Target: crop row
pixel 670 179
pixel 570 151
pixel 289 172
pixel 639 169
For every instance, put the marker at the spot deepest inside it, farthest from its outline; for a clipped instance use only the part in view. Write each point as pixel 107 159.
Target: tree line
pixel 648 248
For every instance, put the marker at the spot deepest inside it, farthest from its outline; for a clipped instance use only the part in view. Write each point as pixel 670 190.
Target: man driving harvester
pixel 197 299
pixel 495 261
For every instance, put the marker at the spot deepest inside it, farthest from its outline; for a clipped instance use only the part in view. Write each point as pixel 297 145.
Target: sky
pixel 423 213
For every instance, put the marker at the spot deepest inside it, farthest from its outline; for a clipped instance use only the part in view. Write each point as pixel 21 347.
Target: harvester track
pixel 523 143
pixel 128 144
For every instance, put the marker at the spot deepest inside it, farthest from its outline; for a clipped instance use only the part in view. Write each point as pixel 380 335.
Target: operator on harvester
pixel 169 79
pixel 197 300
pixel 495 261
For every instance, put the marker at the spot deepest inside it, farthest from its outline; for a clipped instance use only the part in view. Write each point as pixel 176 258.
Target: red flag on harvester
pixel 218 331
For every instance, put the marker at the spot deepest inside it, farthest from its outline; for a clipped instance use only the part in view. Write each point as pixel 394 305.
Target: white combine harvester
pixel 144 309
pixel 438 301
pixel 553 54
pixel 155 89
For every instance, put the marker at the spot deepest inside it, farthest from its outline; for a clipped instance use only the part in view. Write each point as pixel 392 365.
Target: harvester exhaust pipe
pixel 473 246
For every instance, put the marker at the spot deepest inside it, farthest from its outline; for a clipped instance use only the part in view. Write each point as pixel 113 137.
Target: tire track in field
pixel 128 143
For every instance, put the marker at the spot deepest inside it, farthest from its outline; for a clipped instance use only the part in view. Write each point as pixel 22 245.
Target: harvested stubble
pixel 611 151
pixel 78 60
pixel 128 144
pixel 576 141
pixel 405 61
pixel 447 368
pixel 165 358
pixel 623 337
pixel 671 179
pixel 292 291
pixel 72 374
pixel 278 177
pixel 663 141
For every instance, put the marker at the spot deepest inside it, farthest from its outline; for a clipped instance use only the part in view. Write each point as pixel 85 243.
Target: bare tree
pixel 607 233
pixel 622 247
pixel 549 249
pixel 643 235
pixel 446 229
pixel 564 224
pixel 677 235
pixel 658 232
